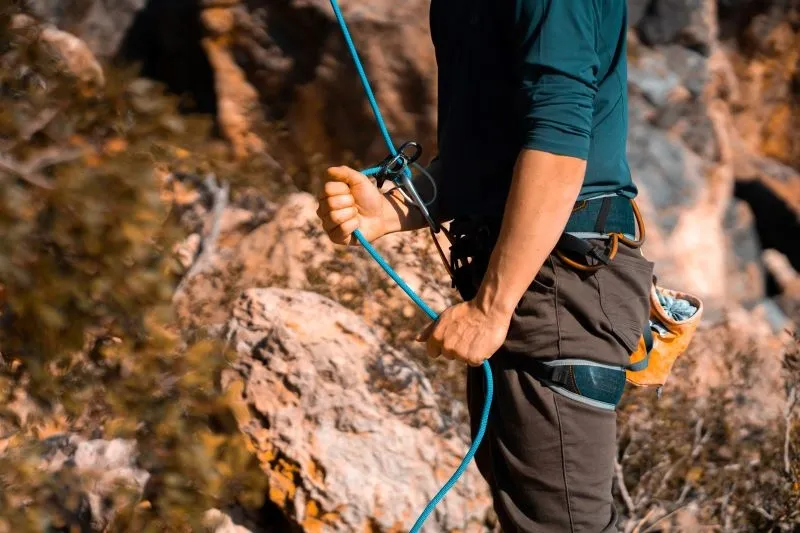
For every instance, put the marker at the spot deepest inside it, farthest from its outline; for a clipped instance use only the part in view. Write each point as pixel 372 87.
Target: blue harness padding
pixel 403 175
pixel 587 382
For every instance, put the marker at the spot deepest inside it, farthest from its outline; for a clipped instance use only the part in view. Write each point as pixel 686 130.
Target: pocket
pixel 624 287
pixel 534 324
pixel 545 280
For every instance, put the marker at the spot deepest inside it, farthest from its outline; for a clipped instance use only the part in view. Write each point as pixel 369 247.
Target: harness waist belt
pixel 598 217
pixel 590 219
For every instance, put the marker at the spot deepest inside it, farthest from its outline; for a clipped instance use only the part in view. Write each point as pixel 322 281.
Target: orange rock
pixel 379 467
pixel 115 145
pixel 237 101
pixel 313 525
pixel 92 160
pixel 218 20
pixel 71 54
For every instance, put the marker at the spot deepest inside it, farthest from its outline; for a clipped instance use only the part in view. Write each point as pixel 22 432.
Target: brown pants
pixel 548 459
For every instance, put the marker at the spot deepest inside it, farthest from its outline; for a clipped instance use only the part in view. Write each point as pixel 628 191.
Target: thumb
pixel 423 335
pixel 349 176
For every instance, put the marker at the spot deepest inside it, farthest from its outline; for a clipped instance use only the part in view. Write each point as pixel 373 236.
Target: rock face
pixel 106 466
pixel 347 427
pixel 66 52
pixel 102 25
pixel 712 85
pixel 263 245
pixel 698 130
pixel 295 58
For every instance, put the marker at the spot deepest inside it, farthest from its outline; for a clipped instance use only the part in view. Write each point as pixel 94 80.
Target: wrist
pixel 392 214
pixel 494 300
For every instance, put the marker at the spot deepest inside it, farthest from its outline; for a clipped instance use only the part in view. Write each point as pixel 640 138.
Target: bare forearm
pixel 543 191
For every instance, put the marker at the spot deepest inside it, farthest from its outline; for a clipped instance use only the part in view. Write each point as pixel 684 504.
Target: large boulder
pixel 347 428
pixel 62 51
pixel 108 471
pixel 284 245
pixel 102 25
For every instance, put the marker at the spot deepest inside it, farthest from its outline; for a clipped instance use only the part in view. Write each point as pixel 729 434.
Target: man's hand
pixel 349 201
pixel 467 333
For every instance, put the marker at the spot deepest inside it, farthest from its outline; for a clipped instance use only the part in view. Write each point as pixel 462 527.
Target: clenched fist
pixel 349 201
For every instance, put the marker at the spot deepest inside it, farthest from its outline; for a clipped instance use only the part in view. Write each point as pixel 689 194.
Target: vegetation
pixel 704 459
pixel 88 338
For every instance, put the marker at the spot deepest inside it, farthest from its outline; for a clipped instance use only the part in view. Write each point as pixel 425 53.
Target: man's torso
pixel 480 127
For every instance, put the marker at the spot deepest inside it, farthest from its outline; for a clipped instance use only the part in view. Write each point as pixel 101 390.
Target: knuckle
pixel 340 216
pixel 350 225
pixel 337 217
pixel 332 188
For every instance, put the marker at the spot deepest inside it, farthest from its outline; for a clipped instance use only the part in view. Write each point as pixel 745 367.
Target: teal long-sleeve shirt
pixel 547 75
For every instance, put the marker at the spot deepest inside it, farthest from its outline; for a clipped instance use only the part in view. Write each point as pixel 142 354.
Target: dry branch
pixel 30 171
pixel 623 490
pixel 208 245
pixel 787 464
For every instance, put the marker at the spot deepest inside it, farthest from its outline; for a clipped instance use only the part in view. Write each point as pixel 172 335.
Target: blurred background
pixel 182 349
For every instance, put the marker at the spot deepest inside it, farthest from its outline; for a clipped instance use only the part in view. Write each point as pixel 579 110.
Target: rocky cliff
pixel 353 428
pixel 713 113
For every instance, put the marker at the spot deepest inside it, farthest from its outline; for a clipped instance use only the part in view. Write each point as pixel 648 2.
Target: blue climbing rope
pixel 403 285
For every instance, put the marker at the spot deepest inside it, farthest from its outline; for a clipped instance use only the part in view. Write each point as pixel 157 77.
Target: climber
pixel 532 133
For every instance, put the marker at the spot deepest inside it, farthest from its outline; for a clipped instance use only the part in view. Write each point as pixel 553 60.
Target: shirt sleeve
pixel 557 70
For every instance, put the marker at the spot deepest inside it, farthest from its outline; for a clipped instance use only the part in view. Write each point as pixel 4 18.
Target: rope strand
pixel 403 285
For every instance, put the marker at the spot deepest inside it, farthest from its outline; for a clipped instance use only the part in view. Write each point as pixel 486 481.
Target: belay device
pixel 397 168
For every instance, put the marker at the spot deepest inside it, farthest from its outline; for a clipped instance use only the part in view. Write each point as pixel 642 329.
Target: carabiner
pixel 414 156
pixel 393 165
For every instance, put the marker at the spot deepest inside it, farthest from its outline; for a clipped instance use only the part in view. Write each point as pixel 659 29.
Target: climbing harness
pixel 674 315
pixel 607 220
pixel 591 240
pixel 397 168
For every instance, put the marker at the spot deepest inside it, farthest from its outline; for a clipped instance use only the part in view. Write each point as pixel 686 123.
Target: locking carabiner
pixel 395 165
